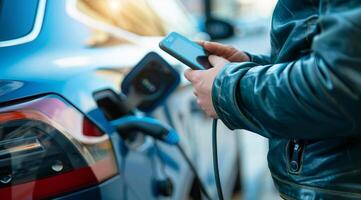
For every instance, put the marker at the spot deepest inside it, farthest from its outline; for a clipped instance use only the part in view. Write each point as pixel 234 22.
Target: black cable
pixel 215 160
pixel 193 169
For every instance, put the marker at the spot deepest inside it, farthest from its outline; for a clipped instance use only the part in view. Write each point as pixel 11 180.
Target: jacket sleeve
pixel 315 97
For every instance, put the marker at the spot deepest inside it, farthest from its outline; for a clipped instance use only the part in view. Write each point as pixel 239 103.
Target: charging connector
pixel 148 126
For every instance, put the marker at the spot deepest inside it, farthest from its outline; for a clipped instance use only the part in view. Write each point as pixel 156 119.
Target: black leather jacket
pixel 305 97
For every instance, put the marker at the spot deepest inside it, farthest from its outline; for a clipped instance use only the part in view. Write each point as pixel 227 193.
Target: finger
pixel 217 61
pixel 212 47
pixel 212 115
pixel 192 75
pixel 200 42
pixel 217 48
pixel 188 74
pixel 199 103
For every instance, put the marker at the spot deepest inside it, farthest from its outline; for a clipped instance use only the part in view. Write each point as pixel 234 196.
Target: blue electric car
pixel 56 140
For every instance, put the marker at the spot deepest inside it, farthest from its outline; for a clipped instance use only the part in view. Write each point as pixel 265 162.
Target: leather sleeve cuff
pixel 226 96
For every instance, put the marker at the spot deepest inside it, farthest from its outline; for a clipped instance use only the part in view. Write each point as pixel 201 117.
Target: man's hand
pixel 202 81
pixel 227 52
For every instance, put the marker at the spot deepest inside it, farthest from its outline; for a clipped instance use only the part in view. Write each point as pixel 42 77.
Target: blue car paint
pixel 28 70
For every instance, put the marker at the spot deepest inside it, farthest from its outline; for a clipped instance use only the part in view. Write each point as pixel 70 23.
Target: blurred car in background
pixel 55 141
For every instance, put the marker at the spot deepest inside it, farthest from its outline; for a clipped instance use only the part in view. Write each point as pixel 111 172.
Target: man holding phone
pixel 305 97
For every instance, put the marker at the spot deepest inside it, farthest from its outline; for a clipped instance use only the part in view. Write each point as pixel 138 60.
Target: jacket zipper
pixel 296 150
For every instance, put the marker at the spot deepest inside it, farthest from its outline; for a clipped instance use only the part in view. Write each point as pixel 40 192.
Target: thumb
pixel 217 61
pixel 191 75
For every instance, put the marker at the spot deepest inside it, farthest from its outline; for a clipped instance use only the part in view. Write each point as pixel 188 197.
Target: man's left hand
pixel 202 81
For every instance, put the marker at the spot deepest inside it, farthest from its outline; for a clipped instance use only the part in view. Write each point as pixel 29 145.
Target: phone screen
pixel 191 53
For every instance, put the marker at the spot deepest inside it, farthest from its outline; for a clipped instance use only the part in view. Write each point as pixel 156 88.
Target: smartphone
pixel 186 51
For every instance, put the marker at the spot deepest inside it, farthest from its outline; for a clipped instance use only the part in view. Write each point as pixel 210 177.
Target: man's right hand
pixel 228 52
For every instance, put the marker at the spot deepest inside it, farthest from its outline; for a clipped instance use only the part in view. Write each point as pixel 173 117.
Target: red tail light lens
pixel 48 148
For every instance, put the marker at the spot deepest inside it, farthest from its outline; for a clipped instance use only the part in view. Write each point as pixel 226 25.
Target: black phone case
pixel 178 57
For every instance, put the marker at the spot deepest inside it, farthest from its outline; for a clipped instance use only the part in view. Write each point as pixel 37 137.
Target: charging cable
pixel 215 160
pixel 198 179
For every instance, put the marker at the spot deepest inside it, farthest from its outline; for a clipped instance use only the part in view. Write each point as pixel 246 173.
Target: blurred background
pixel 250 20
pixel 118 33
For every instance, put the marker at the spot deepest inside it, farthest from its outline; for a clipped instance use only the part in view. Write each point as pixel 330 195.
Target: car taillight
pixel 48 148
